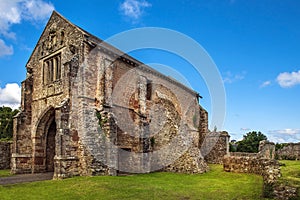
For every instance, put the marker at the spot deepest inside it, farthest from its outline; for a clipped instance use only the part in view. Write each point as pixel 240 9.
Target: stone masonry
pixel 266 150
pixel 89 109
pixel 216 147
pixel 290 152
pixel 264 164
pixel 5 155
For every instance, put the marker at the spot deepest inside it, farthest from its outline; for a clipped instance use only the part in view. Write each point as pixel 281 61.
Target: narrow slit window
pixel 149 90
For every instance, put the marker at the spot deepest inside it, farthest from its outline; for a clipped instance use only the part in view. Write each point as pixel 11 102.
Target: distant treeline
pixel 6 122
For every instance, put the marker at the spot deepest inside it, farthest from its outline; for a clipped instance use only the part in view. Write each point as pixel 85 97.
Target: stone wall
pixel 261 163
pixel 252 164
pixel 269 169
pixel 146 121
pixel 5 155
pixel 266 150
pixel 289 152
pixel 215 147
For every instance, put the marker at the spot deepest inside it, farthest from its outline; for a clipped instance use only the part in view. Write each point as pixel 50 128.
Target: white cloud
pixel 287 131
pixel 231 78
pixel 265 84
pixel 14 11
pixel 4 49
pixel 287 79
pixel 10 95
pixel 37 10
pixel 245 129
pixel 134 9
pixel 285 135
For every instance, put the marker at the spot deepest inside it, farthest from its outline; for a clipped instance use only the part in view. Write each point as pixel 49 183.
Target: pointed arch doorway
pixel 45 143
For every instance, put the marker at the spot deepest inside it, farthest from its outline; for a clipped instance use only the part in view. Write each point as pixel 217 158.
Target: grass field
pixel 215 184
pixel 5 173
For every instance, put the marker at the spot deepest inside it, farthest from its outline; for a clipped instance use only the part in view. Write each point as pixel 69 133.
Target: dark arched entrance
pixel 44 143
pixel 50 147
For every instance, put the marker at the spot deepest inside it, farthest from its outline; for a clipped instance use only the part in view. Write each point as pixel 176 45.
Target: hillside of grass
pixel 215 184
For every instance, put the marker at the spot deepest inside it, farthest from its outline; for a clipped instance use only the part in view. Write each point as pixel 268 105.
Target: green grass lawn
pixel 5 173
pixel 215 184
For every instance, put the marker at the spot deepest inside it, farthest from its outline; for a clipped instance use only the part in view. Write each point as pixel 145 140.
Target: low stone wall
pixel 284 192
pixel 269 169
pixel 240 154
pixel 5 155
pixel 289 152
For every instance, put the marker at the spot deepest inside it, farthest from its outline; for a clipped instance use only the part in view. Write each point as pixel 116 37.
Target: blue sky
pixel 255 45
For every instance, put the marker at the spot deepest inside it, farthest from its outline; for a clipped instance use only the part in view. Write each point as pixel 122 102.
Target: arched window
pixel 52 69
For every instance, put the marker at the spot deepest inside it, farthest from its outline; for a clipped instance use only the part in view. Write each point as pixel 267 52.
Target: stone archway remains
pixel 44 143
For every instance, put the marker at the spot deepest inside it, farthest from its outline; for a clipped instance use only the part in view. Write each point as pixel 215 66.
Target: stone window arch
pixel 52 69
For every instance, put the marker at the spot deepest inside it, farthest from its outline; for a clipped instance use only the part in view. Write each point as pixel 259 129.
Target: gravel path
pixel 24 178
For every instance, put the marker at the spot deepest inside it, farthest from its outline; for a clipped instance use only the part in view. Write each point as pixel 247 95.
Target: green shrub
pixel 268 190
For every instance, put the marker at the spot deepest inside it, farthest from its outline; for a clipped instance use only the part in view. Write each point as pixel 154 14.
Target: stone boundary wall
pixel 5 155
pixel 269 169
pixel 289 152
pixel 264 164
pixel 240 154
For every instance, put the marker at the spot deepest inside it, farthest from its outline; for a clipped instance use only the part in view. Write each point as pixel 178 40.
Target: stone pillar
pixel 108 82
pixel 266 149
pixel 100 84
pixel 142 88
pixel 66 163
pixel 110 130
pixel 227 136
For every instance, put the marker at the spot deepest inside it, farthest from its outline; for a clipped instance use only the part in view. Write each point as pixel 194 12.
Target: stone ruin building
pixel 291 151
pixel 89 109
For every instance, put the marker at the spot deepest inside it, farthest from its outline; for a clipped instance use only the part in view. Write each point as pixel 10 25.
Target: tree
pixel 232 147
pixel 279 146
pixel 6 122
pixel 250 142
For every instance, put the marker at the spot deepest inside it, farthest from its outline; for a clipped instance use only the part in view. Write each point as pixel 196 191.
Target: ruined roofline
pixel 115 52
pixel 106 47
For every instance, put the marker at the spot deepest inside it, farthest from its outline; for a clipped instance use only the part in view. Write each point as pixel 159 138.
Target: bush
pixel 268 190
